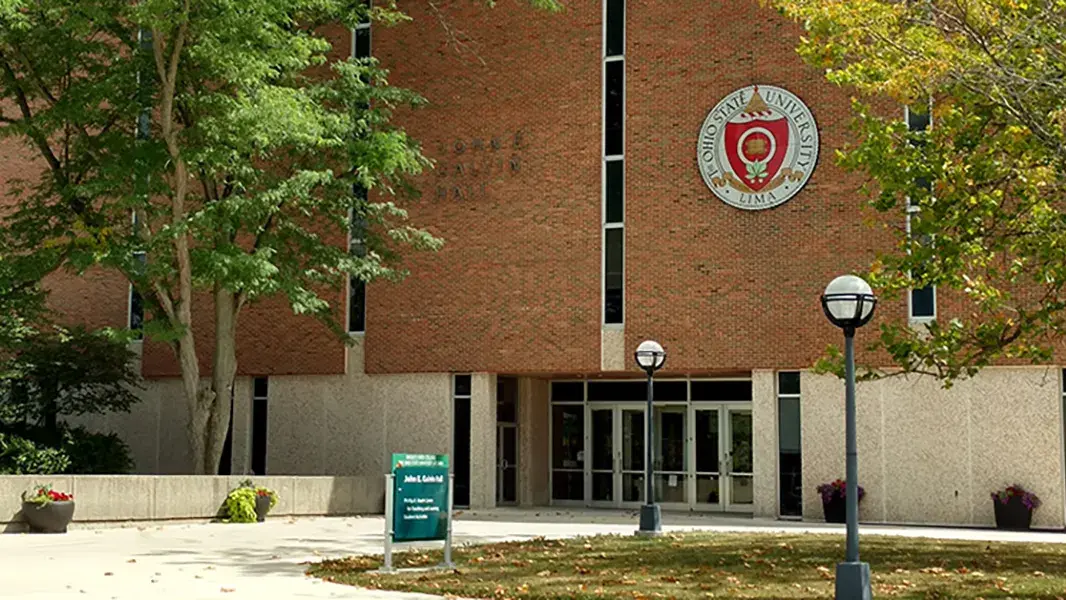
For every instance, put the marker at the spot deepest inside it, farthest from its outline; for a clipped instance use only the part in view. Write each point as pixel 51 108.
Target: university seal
pixel 758 147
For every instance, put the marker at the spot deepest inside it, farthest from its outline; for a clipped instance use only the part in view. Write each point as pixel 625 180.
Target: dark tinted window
pixel 462 385
pixel 362 42
pixel 507 400
pixel 790 460
pixel 259 435
pixel 788 382
pixel 617 391
pixel 356 305
pixel 136 310
pixel 615 190
pixel 721 390
pixel 616 27
pixel 918 119
pixel 461 446
pixel 614 110
pixel 671 390
pixel 259 387
pixel 923 302
pixel 613 276
pixel 568 391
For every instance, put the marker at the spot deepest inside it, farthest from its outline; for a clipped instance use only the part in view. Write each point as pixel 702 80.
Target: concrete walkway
pixel 202 561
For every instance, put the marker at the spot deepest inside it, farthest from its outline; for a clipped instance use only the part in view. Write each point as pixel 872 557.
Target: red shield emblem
pixel 756 149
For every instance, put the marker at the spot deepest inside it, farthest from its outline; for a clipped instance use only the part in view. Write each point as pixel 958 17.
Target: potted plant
pixel 1014 507
pixel 46 510
pixel 248 503
pixel 833 500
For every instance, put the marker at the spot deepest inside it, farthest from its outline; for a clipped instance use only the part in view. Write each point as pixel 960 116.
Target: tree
pixel 986 181
pixel 72 372
pixel 244 157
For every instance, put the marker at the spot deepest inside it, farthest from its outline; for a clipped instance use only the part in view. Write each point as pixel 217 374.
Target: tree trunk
pixel 222 375
pixel 209 405
pixel 194 399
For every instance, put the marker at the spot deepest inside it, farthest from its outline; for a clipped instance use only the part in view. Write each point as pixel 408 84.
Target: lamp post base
pixel 853 581
pixel 651 520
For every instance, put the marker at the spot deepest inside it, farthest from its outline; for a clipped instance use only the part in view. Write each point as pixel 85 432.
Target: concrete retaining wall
pixel 117 498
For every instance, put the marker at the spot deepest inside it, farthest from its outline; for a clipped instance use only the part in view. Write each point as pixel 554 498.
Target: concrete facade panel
pixel 483 440
pixel 764 442
pixel 534 442
pixel 613 349
pixel 932 455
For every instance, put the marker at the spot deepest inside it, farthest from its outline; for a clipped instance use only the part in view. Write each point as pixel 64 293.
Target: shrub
pixel 44 494
pixel 26 450
pixel 836 489
pixel 20 456
pixel 94 453
pixel 57 372
pixel 1029 499
pixel 240 503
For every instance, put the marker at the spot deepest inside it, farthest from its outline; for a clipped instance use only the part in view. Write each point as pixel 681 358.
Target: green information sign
pixel 420 497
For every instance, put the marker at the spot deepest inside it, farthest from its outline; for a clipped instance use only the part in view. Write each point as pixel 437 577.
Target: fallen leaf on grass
pixel 544 573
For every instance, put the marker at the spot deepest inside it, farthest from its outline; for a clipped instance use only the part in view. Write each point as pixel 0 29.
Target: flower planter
pixel 262 507
pixel 836 510
pixel 52 517
pixel 1013 514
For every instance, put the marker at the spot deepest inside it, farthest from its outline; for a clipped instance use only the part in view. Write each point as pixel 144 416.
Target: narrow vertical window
pixel 615 191
pixel 789 453
pixel 357 246
pixel 922 301
pixel 613 275
pixel 259 425
pixel 614 108
pixel 357 236
pixel 616 28
pixel 136 302
pixel 613 159
pixel 361 35
pixel 461 439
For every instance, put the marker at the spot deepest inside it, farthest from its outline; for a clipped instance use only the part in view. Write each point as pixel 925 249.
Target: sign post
pixel 418 503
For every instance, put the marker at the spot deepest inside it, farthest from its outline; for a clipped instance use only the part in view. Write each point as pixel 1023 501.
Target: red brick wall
pixel 517 286
pixel 723 288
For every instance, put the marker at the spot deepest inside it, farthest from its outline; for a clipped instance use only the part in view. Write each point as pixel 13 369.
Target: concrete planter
pixel 262 507
pixel 1013 514
pixel 52 517
pixel 836 510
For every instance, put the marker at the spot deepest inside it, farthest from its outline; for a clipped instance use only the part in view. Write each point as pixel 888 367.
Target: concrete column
pixel 483 440
pixel 241 457
pixel 533 442
pixel 764 442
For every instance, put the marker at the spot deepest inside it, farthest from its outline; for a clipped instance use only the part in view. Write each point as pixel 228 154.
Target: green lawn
pixel 708 565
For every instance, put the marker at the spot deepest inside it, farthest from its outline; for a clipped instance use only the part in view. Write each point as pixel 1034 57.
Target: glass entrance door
pixel 723 457
pixel 738 463
pixel 506 463
pixel 671 455
pixel 616 471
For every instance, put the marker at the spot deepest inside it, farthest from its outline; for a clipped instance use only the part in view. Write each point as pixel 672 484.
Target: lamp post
pixel 650 357
pixel 849 303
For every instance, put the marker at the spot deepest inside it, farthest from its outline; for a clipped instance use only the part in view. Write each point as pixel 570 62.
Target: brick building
pixel 579 220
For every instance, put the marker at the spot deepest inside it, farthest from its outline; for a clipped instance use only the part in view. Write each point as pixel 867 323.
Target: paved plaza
pixel 202 561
